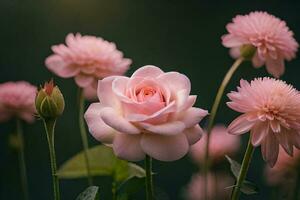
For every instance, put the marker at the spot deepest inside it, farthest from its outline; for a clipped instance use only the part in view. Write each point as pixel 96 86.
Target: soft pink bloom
pixel 149 113
pixel 87 59
pixel 285 168
pixel 17 100
pixel 221 144
pixel 273 40
pixel 271 113
pixel 217 187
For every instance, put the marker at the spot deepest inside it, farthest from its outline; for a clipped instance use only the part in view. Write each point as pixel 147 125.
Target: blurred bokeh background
pixel 174 35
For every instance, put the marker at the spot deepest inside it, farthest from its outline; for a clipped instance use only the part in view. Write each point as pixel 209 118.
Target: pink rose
pixel 149 113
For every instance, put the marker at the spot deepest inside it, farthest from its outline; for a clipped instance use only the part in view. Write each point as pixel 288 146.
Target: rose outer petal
pixel 165 148
pixel 117 122
pixel 128 147
pixel 99 130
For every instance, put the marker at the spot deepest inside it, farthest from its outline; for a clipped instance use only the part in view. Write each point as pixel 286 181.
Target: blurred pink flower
pixel 17 100
pixel 216 186
pixel 268 34
pixel 285 168
pixel 149 113
pixel 271 111
pixel 87 59
pixel 221 144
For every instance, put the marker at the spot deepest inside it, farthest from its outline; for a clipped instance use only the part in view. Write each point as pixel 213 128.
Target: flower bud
pixel 49 101
pixel 247 51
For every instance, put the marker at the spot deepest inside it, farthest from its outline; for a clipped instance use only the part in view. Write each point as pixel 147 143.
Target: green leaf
pixel 90 193
pixel 103 162
pixel 234 166
pixel 247 186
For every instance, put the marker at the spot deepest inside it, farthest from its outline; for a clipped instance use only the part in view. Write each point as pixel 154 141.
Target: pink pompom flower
pixel 270 36
pixel 17 100
pixel 149 113
pixel 221 144
pixel 216 187
pixel 271 112
pixel 87 59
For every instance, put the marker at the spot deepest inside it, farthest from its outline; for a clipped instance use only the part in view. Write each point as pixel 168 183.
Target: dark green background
pixel 174 35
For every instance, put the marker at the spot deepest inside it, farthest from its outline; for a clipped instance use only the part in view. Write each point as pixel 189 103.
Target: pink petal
pixel 240 125
pixel 90 93
pixel 283 139
pixel 259 132
pixel 99 130
pixel 193 134
pixel 147 71
pixel 230 40
pixel 154 117
pixel 119 86
pixel 270 149
pixel 128 147
pixel 193 116
pixel 105 94
pixel 165 148
pixel 256 61
pixel 117 122
pixel 58 66
pixel 170 128
pixel 176 82
pixel 189 102
pixel 83 80
pixel 235 52
pixel 275 67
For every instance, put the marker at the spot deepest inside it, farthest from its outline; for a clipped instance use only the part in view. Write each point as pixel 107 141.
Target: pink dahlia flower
pixel 87 59
pixel 216 187
pixel 221 144
pixel 17 100
pixel 273 40
pixel 149 113
pixel 271 112
pixel 285 169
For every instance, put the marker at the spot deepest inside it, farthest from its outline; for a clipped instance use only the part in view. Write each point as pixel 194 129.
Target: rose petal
pixel 58 66
pixel 170 128
pixel 191 100
pixel 155 116
pixel 128 147
pixel 99 130
pixel 117 122
pixel 176 82
pixel 147 71
pixel 193 116
pixel 193 134
pixel 105 94
pixel 165 148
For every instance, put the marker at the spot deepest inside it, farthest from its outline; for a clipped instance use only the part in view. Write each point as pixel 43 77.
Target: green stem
pixel 244 169
pixel 22 162
pixel 49 127
pixel 149 181
pixel 83 135
pixel 212 116
pixel 114 190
